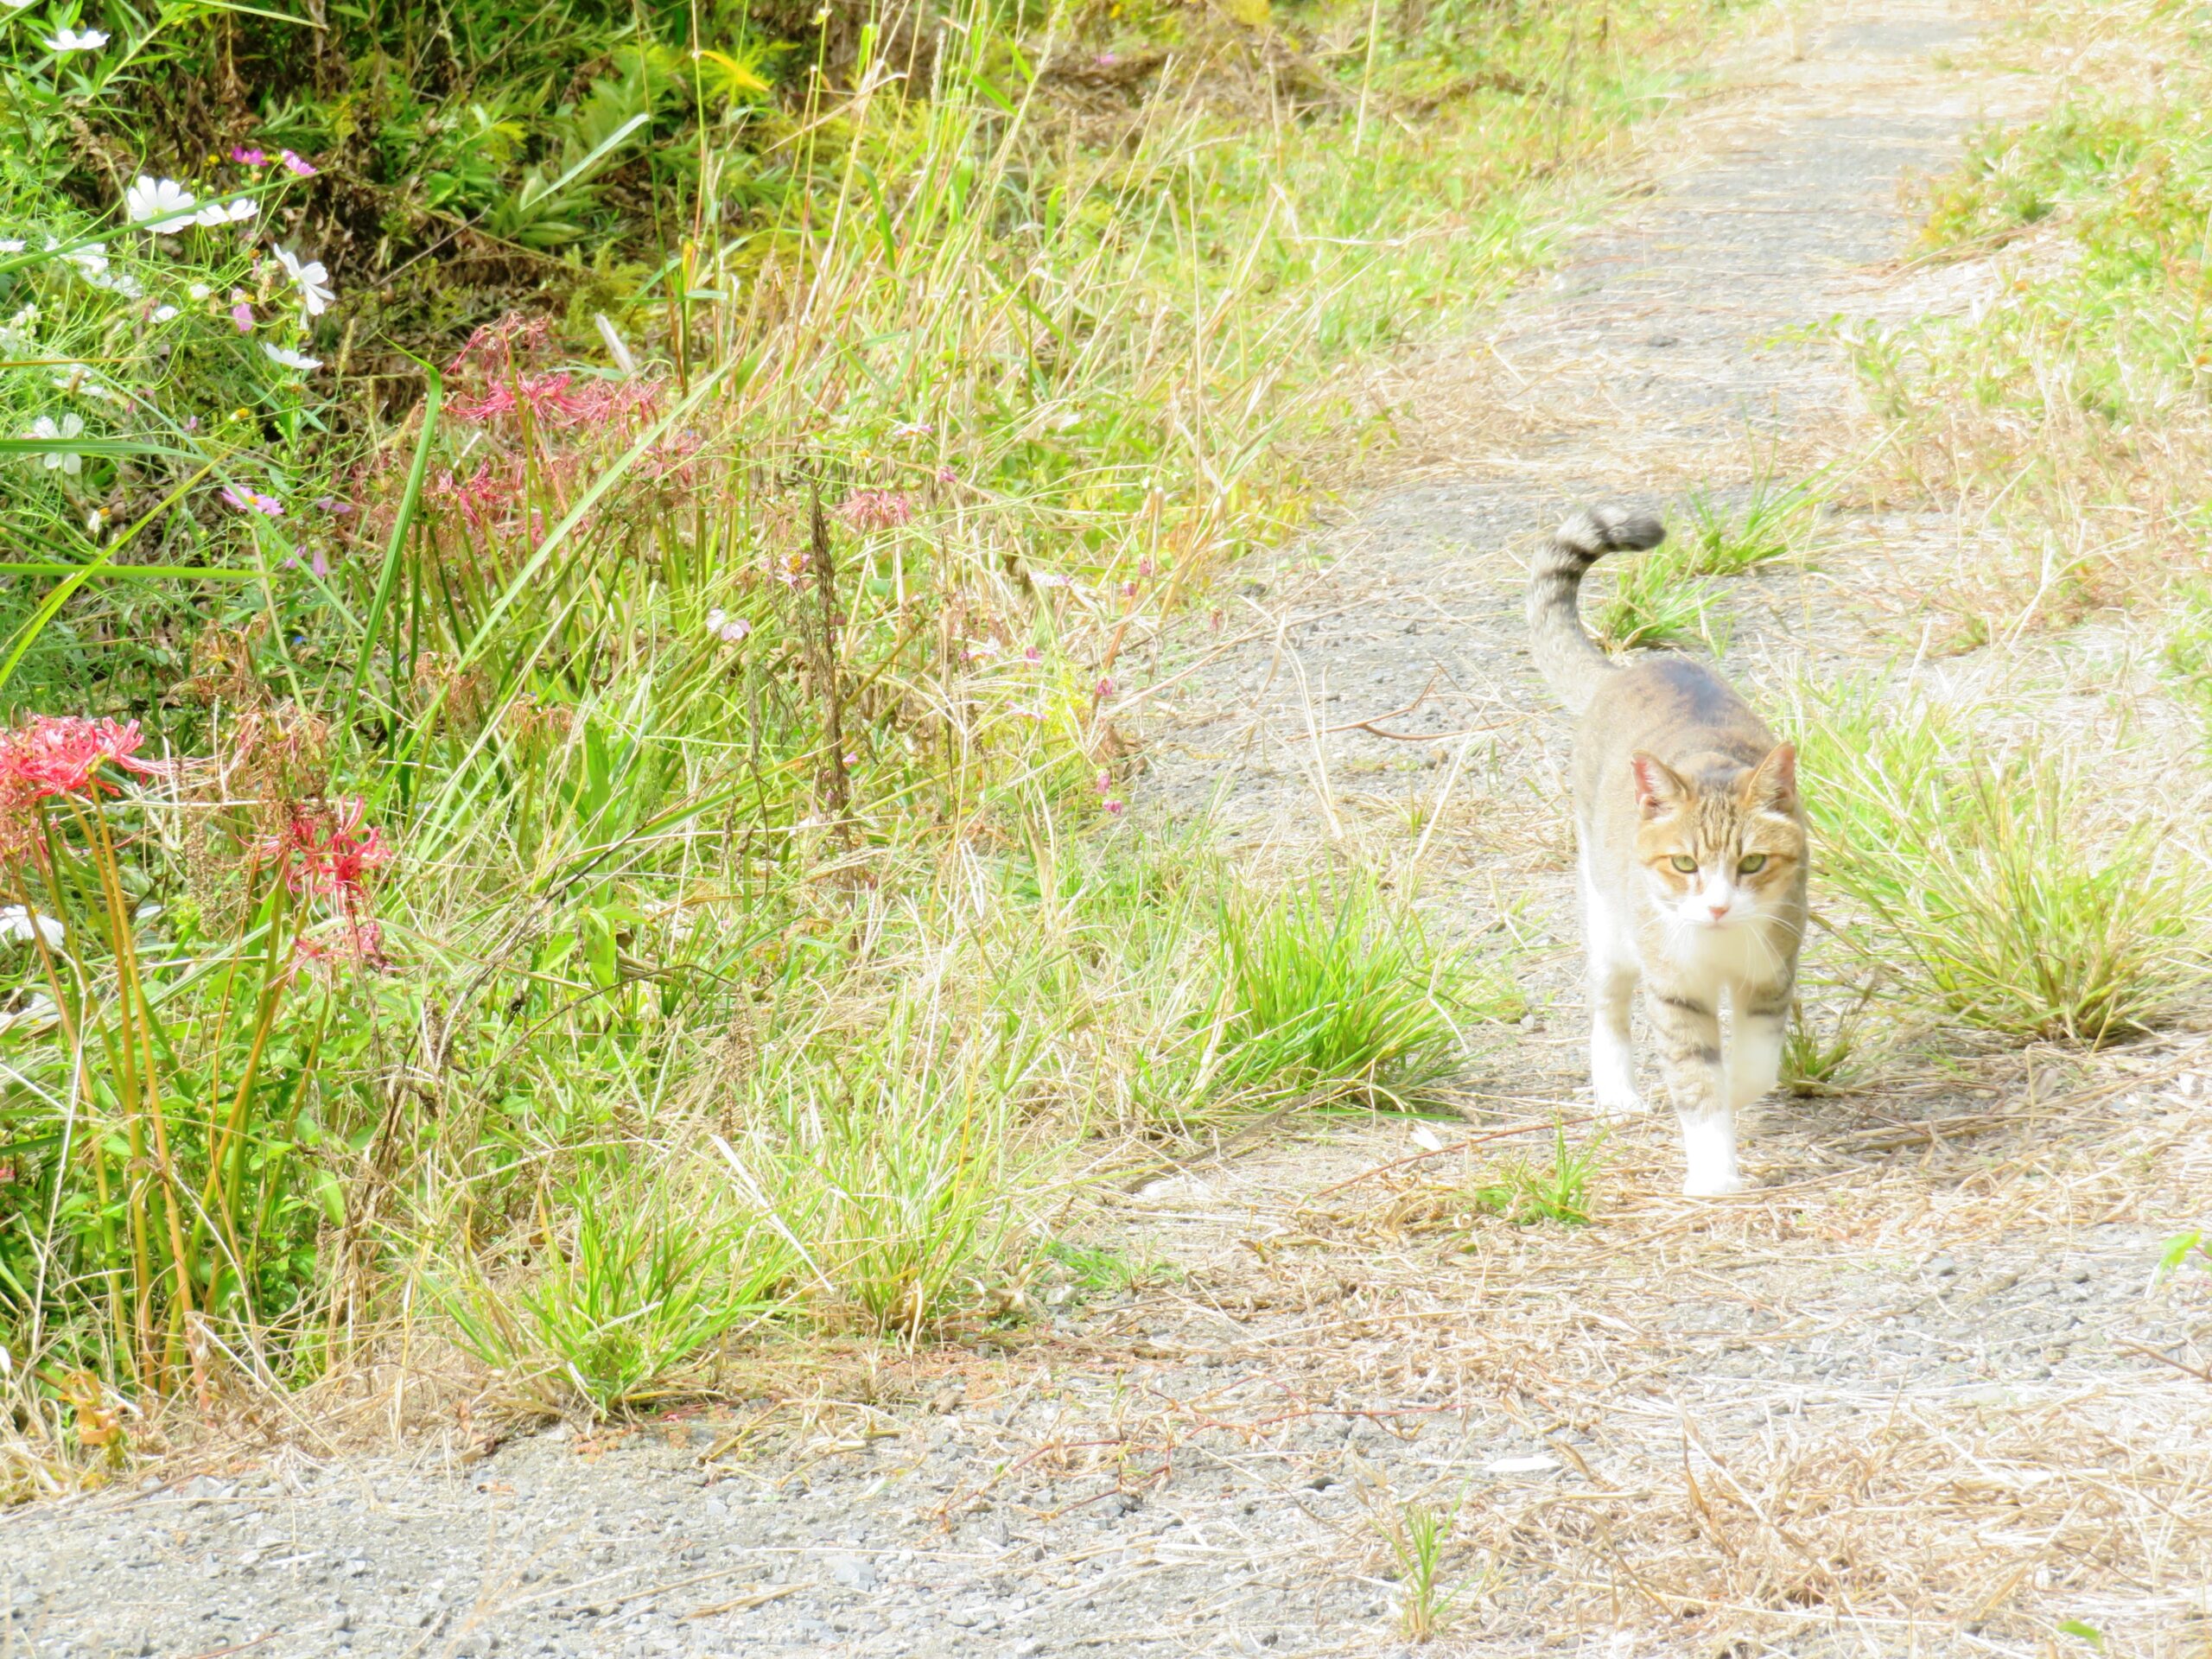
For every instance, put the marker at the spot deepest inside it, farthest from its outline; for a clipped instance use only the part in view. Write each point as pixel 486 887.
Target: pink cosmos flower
pixel 242 316
pixel 866 510
pixel 247 157
pixel 295 166
pixel 253 501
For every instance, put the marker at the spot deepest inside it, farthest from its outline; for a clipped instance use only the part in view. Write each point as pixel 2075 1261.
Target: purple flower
pixel 1104 687
pixel 1033 655
pixel 1116 807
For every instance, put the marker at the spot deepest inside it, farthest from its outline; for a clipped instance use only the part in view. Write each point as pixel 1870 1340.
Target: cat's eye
pixel 1752 865
pixel 1685 863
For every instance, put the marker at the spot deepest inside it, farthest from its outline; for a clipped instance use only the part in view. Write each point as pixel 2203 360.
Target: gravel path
pixel 1906 1398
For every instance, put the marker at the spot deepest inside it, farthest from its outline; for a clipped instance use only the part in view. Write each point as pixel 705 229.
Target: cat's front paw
pixel 1619 1100
pixel 1713 1183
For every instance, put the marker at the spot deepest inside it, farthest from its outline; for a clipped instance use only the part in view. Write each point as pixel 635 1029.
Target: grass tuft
pixel 1657 599
pixel 1528 1193
pixel 2003 886
pixel 1338 993
pixel 630 1290
pixel 1777 522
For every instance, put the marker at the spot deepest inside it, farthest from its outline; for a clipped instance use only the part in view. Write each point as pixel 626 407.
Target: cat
pixel 1692 859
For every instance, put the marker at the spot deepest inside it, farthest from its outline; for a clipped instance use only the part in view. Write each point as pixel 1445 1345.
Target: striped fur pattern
pixel 1693 860
pixel 1571 665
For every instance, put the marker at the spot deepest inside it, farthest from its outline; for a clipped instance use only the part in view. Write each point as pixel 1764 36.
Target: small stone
pixel 852 1572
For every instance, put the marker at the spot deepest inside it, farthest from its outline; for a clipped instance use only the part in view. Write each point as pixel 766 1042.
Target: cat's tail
pixel 1567 657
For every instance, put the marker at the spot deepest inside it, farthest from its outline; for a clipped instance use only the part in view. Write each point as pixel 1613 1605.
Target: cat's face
pixel 1719 855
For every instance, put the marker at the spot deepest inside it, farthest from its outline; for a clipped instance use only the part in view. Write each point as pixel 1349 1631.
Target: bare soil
pixel 1917 1394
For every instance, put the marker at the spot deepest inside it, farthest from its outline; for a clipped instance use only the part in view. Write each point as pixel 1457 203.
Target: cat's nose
pixel 1719 907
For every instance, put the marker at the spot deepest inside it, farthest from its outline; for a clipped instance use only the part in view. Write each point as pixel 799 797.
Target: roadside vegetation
pixel 577 584
pixel 2021 853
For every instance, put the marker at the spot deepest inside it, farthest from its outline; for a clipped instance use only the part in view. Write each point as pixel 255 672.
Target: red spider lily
pixel 495 344
pixel 556 401
pixel 875 510
pixel 326 850
pixel 61 754
pixel 353 941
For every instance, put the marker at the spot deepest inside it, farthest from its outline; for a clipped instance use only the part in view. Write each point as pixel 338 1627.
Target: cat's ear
pixel 1659 789
pixel 1772 786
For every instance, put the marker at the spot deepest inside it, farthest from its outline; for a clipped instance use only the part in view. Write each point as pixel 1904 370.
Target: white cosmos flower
pixel 64 461
pixel 163 313
pixel 12 244
pixel 200 290
pixel 289 359
pixel 21 923
pixel 69 40
pixel 16 922
pixel 92 259
pixel 227 212
pixel 163 206
pixel 243 209
pixel 314 282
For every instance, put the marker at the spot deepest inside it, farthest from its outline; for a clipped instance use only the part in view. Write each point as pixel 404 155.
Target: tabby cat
pixel 1694 859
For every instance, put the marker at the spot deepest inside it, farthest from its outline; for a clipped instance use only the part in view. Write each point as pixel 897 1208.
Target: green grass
pixel 630 1287
pixel 1817 1061
pixel 1657 599
pixel 1335 991
pixel 1417 1537
pixel 1776 522
pixel 2003 885
pixel 1558 1192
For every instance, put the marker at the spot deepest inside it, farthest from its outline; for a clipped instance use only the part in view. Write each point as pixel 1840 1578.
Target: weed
pixel 1417 1536
pixel 1776 522
pixel 1657 601
pixel 1102 1269
pixel 1815 1063
pixel 631 1289
pixel 1527 1193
